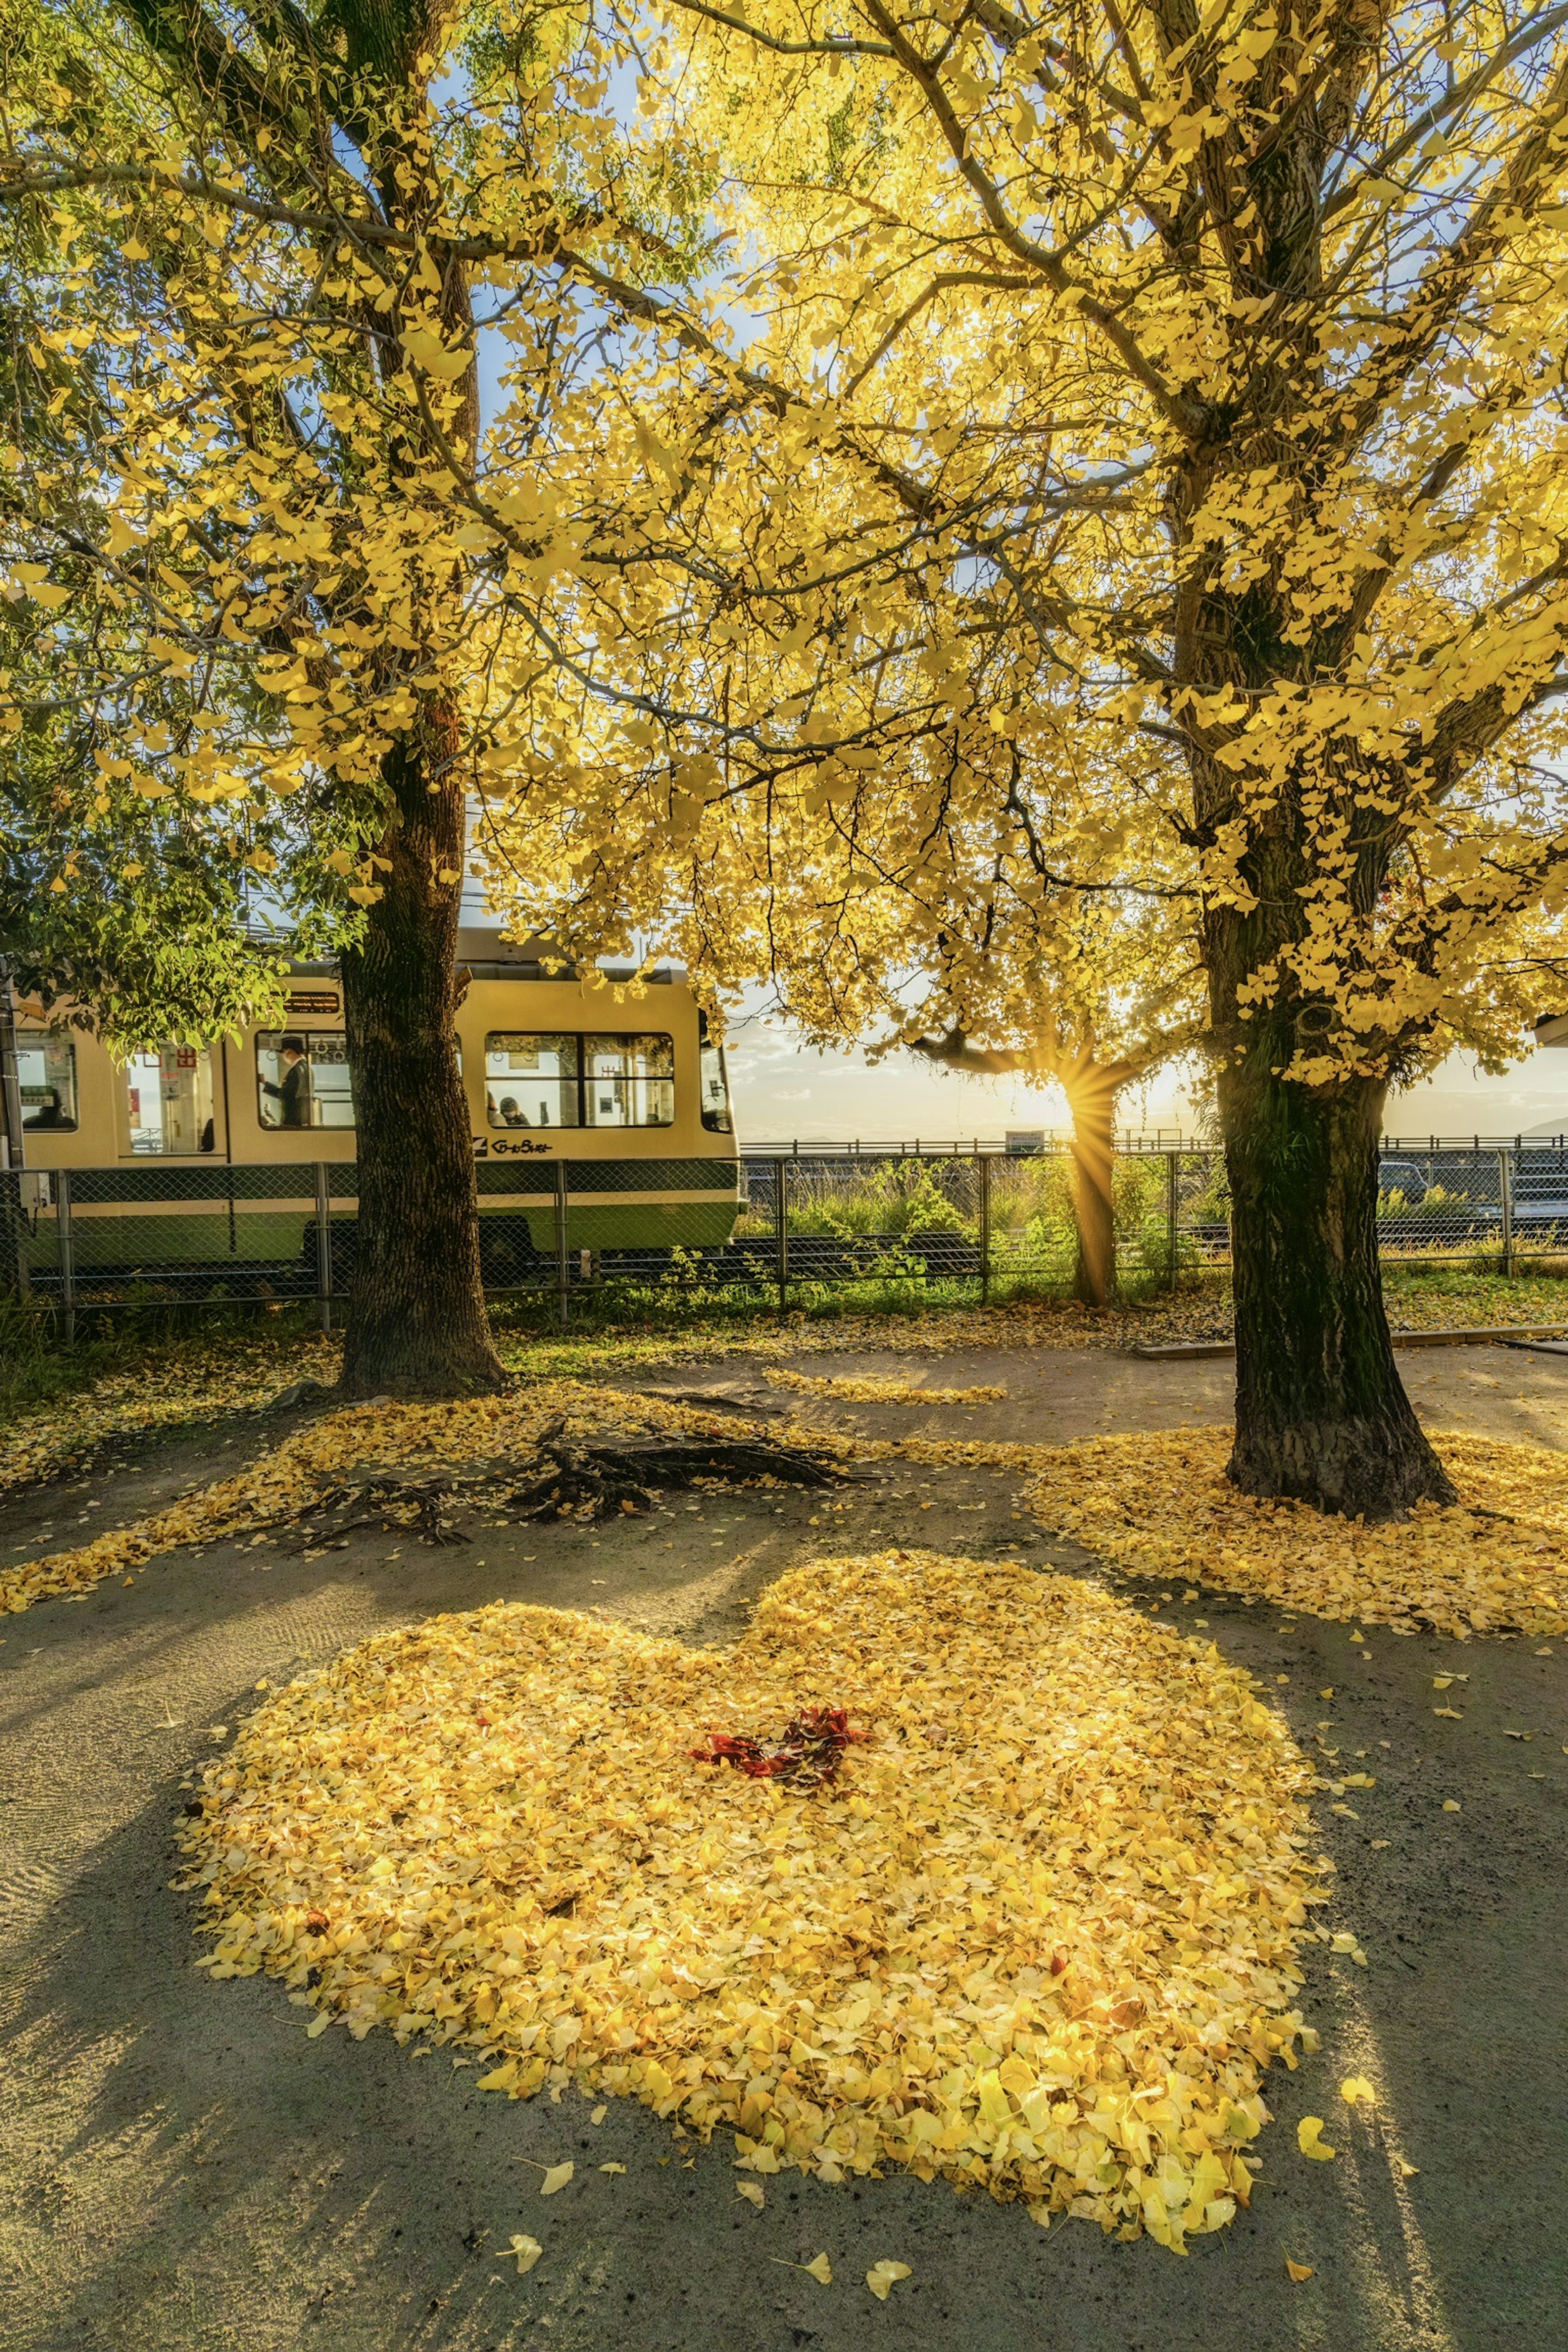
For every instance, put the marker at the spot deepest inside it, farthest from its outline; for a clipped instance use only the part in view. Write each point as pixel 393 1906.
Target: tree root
pixel 384 1499
pixel 578 1481
pixel 587 1481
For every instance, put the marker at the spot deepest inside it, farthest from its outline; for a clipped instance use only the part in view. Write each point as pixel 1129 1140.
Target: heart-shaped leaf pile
pixel 1036 1936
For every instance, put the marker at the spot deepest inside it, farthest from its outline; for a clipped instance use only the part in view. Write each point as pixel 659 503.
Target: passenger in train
pixel 513 1111
pixel 48 1113
pixel 293 1093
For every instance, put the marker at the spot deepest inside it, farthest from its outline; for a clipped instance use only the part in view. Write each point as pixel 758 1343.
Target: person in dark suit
pixel 292 1092
pixel 48 1113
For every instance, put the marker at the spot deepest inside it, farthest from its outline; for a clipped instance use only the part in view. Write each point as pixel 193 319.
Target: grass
pixel 144 1346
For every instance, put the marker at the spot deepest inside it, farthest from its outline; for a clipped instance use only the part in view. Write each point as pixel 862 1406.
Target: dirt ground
pixel 181 2171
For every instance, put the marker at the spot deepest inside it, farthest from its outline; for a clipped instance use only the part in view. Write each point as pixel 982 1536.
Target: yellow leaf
pixel 752 2191
pixel 1357 2092
pixel 819 2267
pixel 1297 2271
pixel 527 2251
pixel 1309 2138
pixel 884 2275
pixel 556 2177
pixel 1407 2171
pixel 612 2167
pixel 1452 1805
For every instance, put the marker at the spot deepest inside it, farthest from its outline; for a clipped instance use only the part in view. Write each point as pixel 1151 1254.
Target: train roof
pixel 486 955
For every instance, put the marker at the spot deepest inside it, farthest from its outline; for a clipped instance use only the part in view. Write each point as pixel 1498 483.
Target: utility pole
pixel 11 1144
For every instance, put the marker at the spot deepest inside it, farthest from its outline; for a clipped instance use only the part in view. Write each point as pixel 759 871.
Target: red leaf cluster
pixel 810 1749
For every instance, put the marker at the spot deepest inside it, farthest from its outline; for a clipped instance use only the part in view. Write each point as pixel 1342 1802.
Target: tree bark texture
pixel 1093 1108
pixel 1321 1415
pixel 418 1324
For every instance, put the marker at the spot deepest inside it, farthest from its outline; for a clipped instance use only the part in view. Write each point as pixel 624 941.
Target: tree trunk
pixel 418 1324
pixel 1093 1108
pixel 1321 1412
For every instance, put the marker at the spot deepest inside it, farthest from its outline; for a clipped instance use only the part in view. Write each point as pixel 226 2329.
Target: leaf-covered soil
pixel 184 2168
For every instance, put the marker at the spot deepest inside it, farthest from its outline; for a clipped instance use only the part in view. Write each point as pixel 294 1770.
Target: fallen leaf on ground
pixel 1297 2271
pixel 1357 2092
pixel 570 1891
pixel 527 2250
pixel 819 2267
pixel 1310 2139
pixel 612 2167
pixel 871 1390
pixel 1158 1506
pixel 753 2192
pixel 556 2176
pixel 883 2276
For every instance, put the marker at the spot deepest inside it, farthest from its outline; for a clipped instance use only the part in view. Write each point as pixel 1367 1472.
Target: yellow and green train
pixel 601 1130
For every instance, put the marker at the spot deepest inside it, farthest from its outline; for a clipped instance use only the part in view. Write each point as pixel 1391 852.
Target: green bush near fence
pixel 1034 1237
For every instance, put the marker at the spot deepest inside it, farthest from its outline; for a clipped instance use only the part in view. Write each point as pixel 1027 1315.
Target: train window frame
pixel 272 1042
pixel 138 1072
pixel 567 1083
pixel 50 1044
pixel 584 1042
pixel 638 1084
pixel 718 1116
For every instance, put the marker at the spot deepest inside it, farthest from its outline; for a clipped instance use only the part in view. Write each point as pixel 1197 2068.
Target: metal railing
pixel 783 1226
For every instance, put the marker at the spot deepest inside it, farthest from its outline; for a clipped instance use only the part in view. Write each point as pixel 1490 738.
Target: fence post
pixel 68 1253
pixel 985 1229
pixel 16 1272
pixel 562 1271
pixel 781 1233
pixel 1172 1214
pixel 324 1245
pixel 1505 1183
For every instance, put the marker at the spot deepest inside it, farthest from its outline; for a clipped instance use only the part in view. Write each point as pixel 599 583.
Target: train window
pixel 302 1079
pixel 45 1072
pixel 169 1096
pixel 531 1081
pixel 715 1082
pixel 629 1080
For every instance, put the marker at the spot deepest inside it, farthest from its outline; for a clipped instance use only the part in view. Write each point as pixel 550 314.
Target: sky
pixel 783 1091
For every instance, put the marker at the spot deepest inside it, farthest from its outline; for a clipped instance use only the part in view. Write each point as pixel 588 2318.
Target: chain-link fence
pixel 784 1226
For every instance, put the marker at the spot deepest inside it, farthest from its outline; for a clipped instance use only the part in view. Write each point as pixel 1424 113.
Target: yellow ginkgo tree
pixel 282 261
pixel 1040 921
pixel 1213 359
